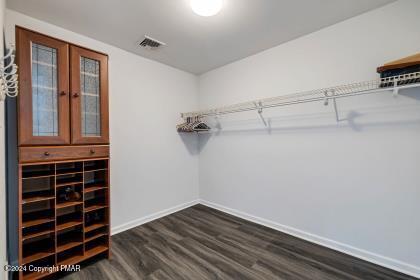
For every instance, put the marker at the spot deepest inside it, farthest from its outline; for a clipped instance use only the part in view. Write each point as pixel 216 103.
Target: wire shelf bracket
pixel 260 112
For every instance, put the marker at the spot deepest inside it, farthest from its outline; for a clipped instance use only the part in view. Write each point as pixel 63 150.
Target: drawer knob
pixel 63 93
pixel 75 95
pixel 92 151
pixel 46 153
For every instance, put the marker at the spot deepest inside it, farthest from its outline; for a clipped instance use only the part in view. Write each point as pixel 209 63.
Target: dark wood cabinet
pixel 64 185
pixel 44 112
pixel 89 97
pixel 63 96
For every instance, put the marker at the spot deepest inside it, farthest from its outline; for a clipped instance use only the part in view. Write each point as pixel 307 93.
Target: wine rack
pixel 64 211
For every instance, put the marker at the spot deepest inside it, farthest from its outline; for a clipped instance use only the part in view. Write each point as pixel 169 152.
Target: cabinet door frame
pixel 76 128
pixel 24 40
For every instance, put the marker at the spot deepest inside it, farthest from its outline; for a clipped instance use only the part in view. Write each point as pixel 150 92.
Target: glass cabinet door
pixel 43 98
pixel 89 101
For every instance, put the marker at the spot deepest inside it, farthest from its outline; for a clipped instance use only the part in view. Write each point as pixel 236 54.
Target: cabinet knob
pixel 92 151
pixel 62 93
pixel 75 94
pixel 47 153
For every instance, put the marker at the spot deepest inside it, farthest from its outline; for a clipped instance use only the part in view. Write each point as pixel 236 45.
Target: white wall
pixel 353 186
pixel 148 158
pixel 3 245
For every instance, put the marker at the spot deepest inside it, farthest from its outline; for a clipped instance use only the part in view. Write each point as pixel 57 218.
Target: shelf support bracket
pixel 336 110
pixel 396 89
pixel 260 111
pixel 335 106
pixel 216 118
pixel 326 98
pixel 326 101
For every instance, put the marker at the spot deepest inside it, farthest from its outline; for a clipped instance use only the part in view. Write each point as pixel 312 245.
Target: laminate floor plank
pixel 200 243
pixel 219 246
pixel 210 270
pixel 158 275
pixel 228 266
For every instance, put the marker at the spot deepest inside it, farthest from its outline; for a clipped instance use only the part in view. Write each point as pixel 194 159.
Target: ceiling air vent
pixel 150 43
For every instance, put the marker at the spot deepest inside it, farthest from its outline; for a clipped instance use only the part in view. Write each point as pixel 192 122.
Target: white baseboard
pixel 152 217
pixel 338 246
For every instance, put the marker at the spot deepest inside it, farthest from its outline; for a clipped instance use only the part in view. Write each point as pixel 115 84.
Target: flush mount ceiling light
pixel 206 8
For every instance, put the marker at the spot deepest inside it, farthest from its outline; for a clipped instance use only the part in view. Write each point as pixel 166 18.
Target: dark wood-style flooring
pixel 203 243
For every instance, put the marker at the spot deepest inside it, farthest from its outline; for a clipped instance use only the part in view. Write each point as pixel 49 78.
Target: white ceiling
pixel 194 44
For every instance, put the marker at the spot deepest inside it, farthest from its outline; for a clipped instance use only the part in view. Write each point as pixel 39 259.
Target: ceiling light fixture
pixel 206 8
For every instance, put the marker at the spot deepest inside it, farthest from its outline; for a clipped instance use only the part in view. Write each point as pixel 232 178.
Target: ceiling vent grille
pixel 150 43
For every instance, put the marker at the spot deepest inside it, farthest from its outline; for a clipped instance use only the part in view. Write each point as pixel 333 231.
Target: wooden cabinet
pixel 44 112
pixel 89 100
pixel 63 95
pixel 63 143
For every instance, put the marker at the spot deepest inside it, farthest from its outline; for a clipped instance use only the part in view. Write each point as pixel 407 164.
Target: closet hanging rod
pixel 394 83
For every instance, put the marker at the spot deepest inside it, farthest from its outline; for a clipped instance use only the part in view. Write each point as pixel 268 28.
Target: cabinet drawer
pixel 37 154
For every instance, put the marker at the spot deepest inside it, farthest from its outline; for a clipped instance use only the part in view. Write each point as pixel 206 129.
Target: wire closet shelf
pixel 394 83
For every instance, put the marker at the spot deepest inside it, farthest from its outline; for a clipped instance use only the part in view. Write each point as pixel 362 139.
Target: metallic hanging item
pixel 8 75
